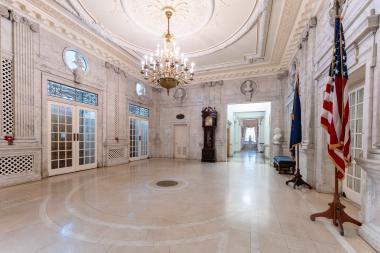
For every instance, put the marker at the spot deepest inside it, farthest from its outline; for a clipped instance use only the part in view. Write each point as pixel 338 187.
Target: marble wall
pixel 361 21
pixel 219 96
pixel 313 58
pixel 37 56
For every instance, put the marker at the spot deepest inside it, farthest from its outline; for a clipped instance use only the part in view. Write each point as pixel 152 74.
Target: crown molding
pixel 305 15
pixel 251 71
pixel 68 28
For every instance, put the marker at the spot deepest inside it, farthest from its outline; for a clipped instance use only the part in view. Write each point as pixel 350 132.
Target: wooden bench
pixel 284 164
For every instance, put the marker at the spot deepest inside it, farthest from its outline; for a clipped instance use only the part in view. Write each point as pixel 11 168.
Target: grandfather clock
pixel 209 117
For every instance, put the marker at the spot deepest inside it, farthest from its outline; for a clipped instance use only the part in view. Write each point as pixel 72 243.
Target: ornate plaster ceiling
pixel 216 33
pixel 227 38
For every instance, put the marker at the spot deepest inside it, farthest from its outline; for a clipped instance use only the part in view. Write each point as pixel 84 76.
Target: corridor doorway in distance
pixel 249 128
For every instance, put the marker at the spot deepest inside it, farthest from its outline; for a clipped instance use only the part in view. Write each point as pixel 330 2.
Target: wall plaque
pixel 180 116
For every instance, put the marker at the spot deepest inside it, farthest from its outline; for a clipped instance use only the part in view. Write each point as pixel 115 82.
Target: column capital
pixel 372 167
pixel 4 11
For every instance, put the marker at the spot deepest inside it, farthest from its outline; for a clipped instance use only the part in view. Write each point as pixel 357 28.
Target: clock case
pixel 209 120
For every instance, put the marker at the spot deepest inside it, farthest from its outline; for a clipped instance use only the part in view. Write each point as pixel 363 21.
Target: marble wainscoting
pixel 370 230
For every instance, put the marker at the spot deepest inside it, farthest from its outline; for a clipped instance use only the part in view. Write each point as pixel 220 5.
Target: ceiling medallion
pixel 167 68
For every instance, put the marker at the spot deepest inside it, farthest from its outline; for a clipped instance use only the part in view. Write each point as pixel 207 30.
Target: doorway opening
pixel 248 129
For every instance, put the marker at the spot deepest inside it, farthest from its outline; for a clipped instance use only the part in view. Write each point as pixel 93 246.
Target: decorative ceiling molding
pixel 241 73
pixel 68 28
pixel 260 16
pixel 191 16
pixel 72 22
pixel 259 10
pixel 306 12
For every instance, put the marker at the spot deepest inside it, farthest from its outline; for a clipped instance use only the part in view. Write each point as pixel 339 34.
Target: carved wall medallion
pixel 179 94
pixel 140 89
pixel 248 88
pixel 77 62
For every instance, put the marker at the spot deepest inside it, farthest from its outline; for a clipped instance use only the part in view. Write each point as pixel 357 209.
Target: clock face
pixel 208 121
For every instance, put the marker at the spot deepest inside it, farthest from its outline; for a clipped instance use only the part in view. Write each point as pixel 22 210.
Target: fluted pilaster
pixel 23 46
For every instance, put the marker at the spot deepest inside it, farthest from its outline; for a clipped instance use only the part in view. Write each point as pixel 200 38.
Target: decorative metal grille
pixel 7 99
pixel 138 111
pixel 73 94
pixel 116 123
pixel 116 154
pixel 15 165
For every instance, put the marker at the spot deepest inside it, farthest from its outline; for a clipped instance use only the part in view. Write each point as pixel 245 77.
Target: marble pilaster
pixel 116 143
pixel 23 46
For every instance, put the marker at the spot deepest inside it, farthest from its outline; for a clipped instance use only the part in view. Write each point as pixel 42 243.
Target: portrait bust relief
pixel 140 89
pixel 77 62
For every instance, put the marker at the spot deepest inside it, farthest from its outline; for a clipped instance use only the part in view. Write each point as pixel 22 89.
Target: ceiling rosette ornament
pixel 188 16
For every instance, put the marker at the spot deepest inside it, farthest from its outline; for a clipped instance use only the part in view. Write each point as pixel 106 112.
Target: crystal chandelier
pixel 167 68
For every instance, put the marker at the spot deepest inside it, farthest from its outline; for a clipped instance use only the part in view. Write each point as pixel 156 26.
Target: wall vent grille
pixel 7 98
pixel 16 165
pixel 114 154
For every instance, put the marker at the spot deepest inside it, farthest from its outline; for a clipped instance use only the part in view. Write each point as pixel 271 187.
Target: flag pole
pixel 296 142
pixel 336 212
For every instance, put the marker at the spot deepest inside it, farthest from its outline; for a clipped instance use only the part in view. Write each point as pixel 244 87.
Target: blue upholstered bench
pixel 284 164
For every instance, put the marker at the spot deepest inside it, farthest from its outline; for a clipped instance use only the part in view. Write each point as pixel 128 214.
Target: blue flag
pixel 296 130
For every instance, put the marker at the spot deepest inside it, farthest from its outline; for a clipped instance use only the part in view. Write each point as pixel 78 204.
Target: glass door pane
pixel 133 138
pixel 61 138
pixel 138 138
pixel 87 137
pixel 352 185
pixel 144 137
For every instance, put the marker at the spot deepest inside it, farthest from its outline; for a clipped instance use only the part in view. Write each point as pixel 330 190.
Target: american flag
pixel 335 111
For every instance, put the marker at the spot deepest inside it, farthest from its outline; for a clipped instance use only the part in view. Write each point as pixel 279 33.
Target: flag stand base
pixel 297 179
pixel 336 211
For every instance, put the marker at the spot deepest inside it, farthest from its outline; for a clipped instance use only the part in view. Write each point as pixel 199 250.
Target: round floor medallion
pixel 167 183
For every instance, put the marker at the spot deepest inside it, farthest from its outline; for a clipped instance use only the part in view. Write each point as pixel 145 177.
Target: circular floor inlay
pixel 167 183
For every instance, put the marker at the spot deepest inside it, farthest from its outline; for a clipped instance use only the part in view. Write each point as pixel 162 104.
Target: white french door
pixel 138 138
pixel 352 182
pixel 71 138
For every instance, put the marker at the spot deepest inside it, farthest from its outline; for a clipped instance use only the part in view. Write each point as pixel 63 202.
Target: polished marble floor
pixel 237 207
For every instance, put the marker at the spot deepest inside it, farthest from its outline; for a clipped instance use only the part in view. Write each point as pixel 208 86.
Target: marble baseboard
pixel 371 234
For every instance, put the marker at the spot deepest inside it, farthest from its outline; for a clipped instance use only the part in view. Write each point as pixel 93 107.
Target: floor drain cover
pixel 167 183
